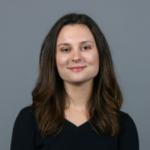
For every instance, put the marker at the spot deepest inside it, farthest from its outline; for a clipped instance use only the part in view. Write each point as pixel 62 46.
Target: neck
pixel 79 94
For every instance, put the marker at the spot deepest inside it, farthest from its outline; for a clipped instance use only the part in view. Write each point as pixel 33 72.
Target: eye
pixel 65 50
pixel 86 47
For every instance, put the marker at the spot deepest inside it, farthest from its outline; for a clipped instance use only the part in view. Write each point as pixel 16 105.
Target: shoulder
pixel 26 117
pixel 126 120
pixel 24 130
pixel 128 135
pixel 28 110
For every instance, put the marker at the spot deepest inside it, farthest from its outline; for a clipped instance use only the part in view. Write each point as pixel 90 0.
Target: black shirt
pixel 25 136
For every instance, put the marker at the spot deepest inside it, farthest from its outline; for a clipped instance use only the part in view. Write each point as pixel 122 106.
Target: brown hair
pixel 49 93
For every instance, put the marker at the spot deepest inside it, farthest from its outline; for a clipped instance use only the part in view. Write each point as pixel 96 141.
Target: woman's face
pixel 77 56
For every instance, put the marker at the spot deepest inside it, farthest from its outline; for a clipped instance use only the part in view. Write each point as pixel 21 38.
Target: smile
pixel 77 69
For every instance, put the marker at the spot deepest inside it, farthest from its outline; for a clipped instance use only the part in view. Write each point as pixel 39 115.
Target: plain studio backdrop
pixel 23 27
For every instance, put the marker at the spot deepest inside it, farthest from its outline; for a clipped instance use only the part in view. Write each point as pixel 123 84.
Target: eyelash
pixel 82 47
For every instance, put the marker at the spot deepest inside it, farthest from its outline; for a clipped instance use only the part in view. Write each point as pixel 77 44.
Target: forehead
pixel 75 34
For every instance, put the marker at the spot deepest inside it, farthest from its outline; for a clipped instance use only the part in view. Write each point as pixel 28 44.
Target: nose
pixel 76 56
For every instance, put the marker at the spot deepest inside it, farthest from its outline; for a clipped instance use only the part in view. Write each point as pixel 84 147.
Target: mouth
pixel 78 68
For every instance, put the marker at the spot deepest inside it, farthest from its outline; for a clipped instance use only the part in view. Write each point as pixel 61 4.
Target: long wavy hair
pixel 49 94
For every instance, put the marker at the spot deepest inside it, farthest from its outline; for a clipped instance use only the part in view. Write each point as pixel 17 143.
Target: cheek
pixel 93 59
pixel 61 61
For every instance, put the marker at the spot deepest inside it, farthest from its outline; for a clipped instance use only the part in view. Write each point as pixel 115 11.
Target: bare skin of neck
pixel 79 94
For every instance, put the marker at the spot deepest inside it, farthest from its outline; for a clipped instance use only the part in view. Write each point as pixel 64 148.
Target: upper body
pixel 26 135
pixel 76 96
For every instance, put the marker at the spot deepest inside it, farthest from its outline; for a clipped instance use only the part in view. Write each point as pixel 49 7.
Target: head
pixel 76 33
pixel 60 38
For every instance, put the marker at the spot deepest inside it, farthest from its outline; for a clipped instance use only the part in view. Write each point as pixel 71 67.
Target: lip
pixel 77 68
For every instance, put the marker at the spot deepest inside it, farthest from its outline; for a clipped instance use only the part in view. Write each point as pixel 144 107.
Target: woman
pixel 76 100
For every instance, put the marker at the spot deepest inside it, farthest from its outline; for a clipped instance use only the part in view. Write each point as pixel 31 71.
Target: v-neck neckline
pixel 83 124
pixel 77 130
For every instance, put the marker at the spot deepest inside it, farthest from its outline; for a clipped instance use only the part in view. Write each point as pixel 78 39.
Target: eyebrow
pixel 83 42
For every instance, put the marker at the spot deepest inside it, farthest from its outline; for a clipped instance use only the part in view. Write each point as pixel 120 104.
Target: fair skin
pixel 76 47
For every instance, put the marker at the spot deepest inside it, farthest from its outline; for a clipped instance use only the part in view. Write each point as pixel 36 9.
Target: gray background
pixel 23 26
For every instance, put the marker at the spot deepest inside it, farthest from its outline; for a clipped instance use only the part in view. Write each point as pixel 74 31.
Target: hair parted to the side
pixel 49 93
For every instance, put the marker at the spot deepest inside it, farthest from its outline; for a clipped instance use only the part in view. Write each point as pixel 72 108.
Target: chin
pixel 79 81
